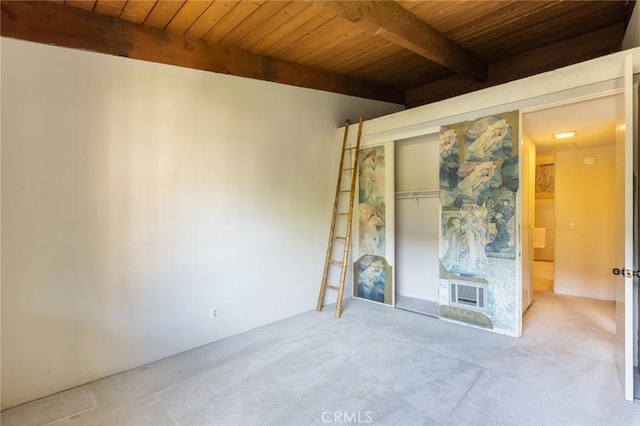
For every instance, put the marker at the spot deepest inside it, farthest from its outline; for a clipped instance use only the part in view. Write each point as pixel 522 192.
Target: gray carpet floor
pixel 419 306
pixel 375 365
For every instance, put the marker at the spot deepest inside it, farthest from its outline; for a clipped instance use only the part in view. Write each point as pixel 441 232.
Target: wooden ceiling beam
pixel 393 22
pixel 50 23
pixel 581 48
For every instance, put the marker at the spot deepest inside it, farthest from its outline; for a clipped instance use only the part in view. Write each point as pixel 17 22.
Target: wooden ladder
pixel 352 167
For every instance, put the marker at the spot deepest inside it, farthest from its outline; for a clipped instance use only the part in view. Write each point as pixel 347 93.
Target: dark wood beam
pixel 578 49
pixel 398 25
pixel 46 22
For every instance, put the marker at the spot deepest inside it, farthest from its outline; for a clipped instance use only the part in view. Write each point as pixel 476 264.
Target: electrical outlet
pixel 214 313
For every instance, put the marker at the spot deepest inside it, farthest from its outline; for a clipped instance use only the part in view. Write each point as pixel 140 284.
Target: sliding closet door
pixel 373 225
pixel 417 224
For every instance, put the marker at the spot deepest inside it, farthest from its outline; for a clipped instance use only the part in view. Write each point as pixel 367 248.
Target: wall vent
pixel 468 295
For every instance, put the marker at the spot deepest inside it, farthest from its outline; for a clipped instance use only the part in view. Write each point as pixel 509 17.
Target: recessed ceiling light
pixel 564 135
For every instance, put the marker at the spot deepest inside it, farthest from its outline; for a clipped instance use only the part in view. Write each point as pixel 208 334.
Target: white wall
pixel 417 221
pixel 137 197
pixel 585 196
pixel 545 218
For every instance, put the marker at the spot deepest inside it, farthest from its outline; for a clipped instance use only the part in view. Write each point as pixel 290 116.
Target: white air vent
pixel 468 295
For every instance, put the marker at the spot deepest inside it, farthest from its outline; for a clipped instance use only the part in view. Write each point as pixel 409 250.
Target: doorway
pixel 543 267
pixel 573 235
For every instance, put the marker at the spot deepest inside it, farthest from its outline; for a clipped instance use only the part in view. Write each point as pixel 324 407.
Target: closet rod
pixel 426 193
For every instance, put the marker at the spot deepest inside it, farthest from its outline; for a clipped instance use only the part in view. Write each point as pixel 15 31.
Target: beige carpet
pixel 376 365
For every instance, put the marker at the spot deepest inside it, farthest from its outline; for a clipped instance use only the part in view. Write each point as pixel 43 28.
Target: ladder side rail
pixel 325 271
pixel 345 254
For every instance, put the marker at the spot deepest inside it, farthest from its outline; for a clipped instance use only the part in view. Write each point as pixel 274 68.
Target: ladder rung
pixel 351 147
pixel 336 262
pixel 333 287
pixel 342 214
pixel 350 168
pixel 345 190
pixel 340 238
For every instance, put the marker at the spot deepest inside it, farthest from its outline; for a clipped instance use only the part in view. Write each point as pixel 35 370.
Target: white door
pixel 624 232
pixel 527 185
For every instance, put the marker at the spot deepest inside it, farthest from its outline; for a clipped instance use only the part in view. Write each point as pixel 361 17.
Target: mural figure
pixel 503 214
pixel 372 229
pixel 545 177
pixel 474 231
pixel 372 176
pixel 372 278
pixel 464 241
pixel 488 138
pixel 478 177
pixel 449 161
pixel 509 174
pixel 452 242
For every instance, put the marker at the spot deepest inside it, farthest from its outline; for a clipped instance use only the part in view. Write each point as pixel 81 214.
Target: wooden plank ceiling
pixel 405 51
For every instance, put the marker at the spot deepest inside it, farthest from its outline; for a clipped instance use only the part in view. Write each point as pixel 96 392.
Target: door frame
pixel 626 139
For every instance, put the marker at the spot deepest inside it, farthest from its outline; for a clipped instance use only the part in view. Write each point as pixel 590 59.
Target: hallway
pixel 378 365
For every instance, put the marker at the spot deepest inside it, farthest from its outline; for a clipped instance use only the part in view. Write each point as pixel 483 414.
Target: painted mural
pixel 371 169
pixel 372 282
pixel 545 180
pixel 478 188
pixel 373 278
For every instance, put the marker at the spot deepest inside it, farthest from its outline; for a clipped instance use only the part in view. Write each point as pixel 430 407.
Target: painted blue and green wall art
pixel 478 198
pixel 372 277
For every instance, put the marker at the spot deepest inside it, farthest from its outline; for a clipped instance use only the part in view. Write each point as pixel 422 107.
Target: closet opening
pixel 417 223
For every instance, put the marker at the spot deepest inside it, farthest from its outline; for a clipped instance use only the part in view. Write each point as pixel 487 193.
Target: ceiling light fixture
pixel 564 135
